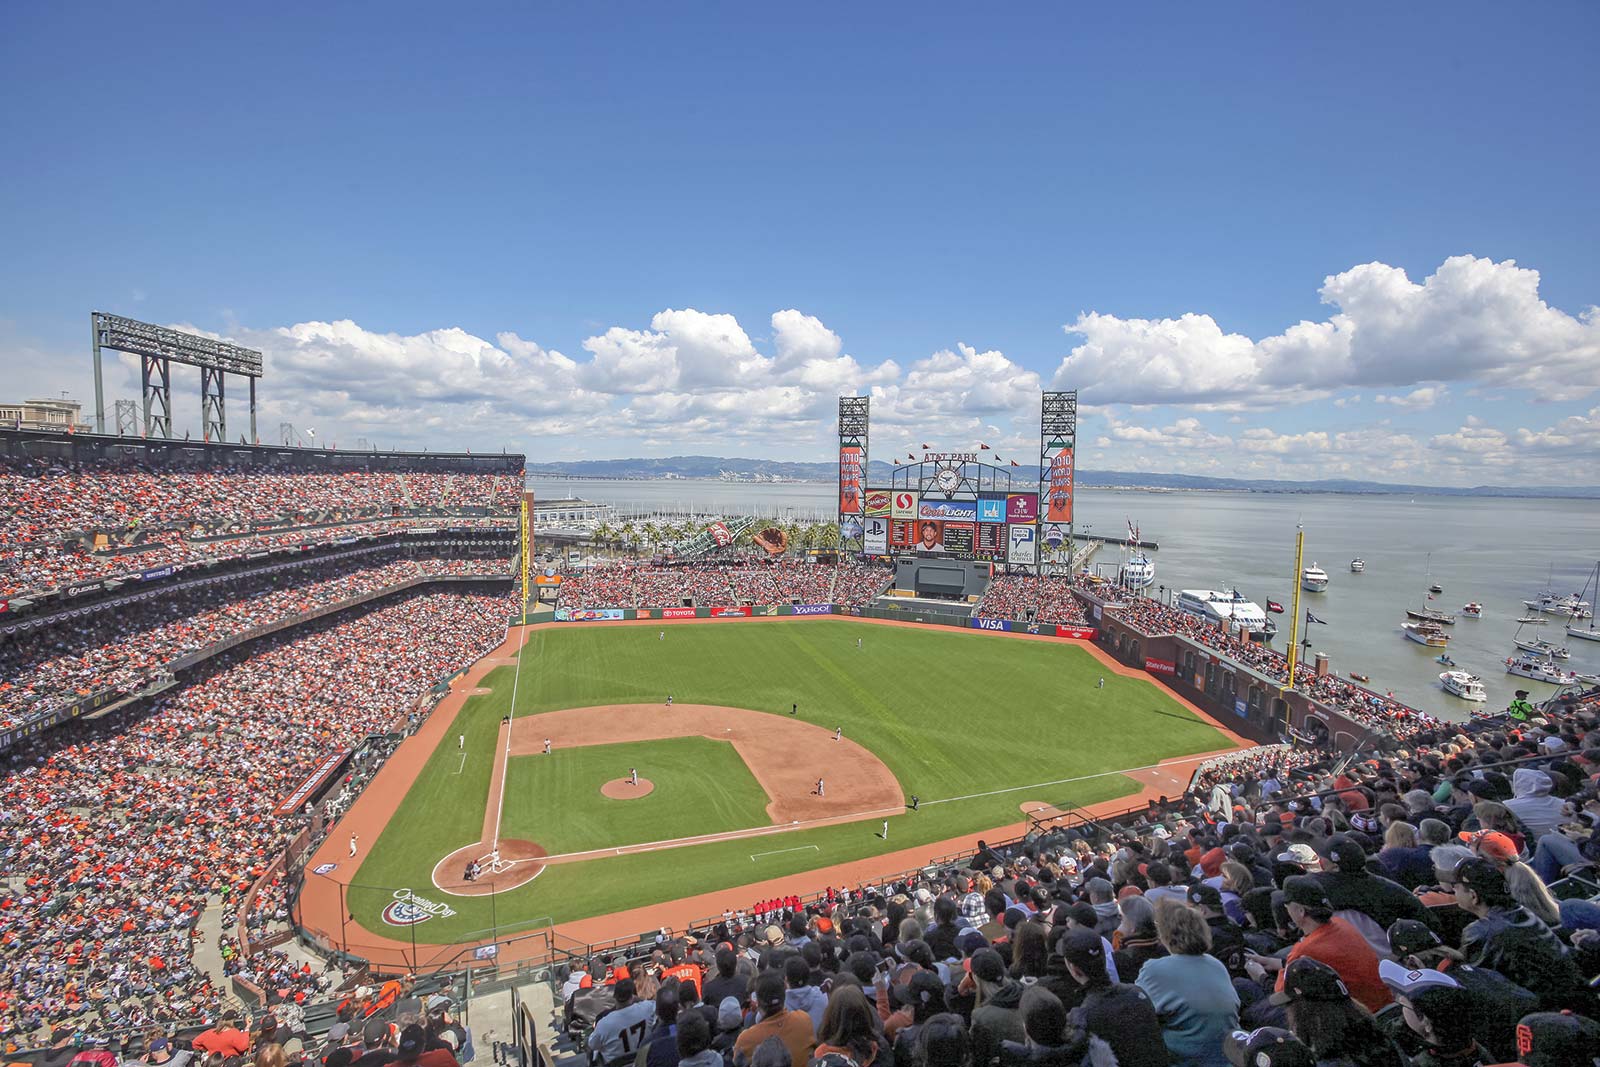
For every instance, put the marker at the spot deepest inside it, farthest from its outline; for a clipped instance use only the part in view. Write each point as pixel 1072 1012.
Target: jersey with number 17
pixel 620 1033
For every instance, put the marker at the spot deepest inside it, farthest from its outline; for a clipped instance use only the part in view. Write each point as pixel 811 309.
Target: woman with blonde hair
pixel 1529 890
pixel 1191 990
pixel 271 1056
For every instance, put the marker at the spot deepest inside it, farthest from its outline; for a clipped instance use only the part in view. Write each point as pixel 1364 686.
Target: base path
pixel 627 788
pixel 321 898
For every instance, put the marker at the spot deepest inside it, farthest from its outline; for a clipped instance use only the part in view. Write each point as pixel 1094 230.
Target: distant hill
pixel 713 466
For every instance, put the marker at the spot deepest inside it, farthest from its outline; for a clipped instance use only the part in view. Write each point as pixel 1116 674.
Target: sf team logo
pixel 324 868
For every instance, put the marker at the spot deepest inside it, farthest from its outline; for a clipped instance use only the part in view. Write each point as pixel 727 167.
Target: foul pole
pixel 1294 619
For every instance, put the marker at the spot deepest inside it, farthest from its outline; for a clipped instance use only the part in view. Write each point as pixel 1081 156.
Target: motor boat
pixel 1230 610
pixel 1531 620
pixel 1444 660
pixel 1572 605
pixel 1472 611
pixel 1426 633
pixel 1314 579
pixel 1359 677
pixel 1540 669
pixel 1463 685
pixel 1435 588
pixel 1358 565
pixel 1441 618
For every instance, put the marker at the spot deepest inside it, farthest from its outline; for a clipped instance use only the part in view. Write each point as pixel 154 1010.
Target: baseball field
pixel 978 727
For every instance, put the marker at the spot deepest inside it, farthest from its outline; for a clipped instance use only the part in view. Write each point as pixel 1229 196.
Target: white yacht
pixel 1571 605
pixel 1426 633
pixel 1542 647
pixel 1358 565
pixel 1230 610
pixel 1463 685
pixel 1583 633
pixel 1539 669
pixel 1138 572
pixel 1314 579
pixel 1473 610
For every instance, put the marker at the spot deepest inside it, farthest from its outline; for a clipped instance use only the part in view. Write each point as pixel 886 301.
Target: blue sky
pixel 628 229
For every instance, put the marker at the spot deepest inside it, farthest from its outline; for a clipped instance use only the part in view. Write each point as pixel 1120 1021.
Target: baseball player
pixel 352 846
pixel 669 700
pixel 494 859
pixel 858 642
pixel 1102 684
pixel 886 829
pixel 838 733
pixel 794 709
pixel 633 776
pixel 547 746
pixel 461 742
pixel 822 788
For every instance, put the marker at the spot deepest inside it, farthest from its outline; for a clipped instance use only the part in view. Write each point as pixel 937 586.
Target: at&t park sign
pixel 950 457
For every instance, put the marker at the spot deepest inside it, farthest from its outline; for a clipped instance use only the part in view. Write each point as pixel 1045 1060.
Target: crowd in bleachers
pixel 50 513
pixel 1373 710
pixel 632 585
pixel 120 648
pixel 1417 909
pixel 117 834
pixel 1049 598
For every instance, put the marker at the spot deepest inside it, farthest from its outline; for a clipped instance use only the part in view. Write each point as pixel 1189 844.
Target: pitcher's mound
pixel 480 691
pixel 519 864
pixel 622 789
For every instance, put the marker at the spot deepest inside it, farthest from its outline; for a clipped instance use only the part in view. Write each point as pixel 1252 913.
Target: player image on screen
pixel 929 537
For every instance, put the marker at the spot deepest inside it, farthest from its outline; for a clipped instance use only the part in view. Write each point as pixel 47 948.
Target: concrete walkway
pixel 214 920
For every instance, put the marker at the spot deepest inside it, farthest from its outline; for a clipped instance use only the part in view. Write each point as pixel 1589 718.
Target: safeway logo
pixel 905 501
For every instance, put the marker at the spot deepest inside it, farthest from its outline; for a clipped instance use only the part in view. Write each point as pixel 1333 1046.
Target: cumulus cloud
pixel 1471 320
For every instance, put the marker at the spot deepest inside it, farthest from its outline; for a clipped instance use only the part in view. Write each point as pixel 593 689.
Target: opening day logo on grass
pixel 408 909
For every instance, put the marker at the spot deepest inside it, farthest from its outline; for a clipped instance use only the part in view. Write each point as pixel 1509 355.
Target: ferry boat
pixel 1138 572
pixel 1539 669
pixel 1314 579
pixel 1230 610
pixel 1358 565
pixel 1463 685
pixel 1473 610
pixel 1426 633
pixel 1442 618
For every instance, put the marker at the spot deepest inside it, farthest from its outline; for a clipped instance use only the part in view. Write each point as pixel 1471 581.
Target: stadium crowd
pixel 1420 908
pixel 120 648
pixel 1013 596
pixel 1373 710
pixel 630 585
pixel 118 833
pixel 180 515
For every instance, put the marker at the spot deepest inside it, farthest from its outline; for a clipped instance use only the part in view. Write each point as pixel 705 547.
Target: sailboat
pixel 1426 614
pixel 1587 633
pixel 1538 646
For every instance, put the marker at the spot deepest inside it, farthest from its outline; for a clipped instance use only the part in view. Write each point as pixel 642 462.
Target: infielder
pixel 886 829
pixel 822 788
pixel 547 746
pixel 352 846
pixel 838 733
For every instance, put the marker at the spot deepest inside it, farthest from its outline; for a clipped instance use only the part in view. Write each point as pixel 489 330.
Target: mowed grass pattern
pixel 972 723
pixel 701 787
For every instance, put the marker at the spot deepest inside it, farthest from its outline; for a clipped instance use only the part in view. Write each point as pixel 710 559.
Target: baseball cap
pixel 1211 862
pixel 728 1014
pixel 412 1042
pixel 1409 936
pixel 1206 896
pixel 1557 1039
pixel 1490 844
pixel 969 941
pixel 1309 979
pixel 1306 891
pixel 1269 1046
pixel 1084 948
pixel 772 935
pixel 987 966
pixel 1347 854
pixel 1300 853
pixel 1405 981
pixel 437 1003
pixel 924 988
pixel 338 1031
pixel 158 1044
pixel 375 1032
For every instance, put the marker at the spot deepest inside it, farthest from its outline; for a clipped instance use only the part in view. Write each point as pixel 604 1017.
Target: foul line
pixel 780 851
pixel 1065 781
pixel 511 718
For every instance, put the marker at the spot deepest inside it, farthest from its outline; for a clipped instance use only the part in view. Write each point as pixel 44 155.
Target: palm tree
pixel 603 534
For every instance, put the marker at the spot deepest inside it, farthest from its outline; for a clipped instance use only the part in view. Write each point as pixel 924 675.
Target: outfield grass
pixel 701 787
pixel 970 722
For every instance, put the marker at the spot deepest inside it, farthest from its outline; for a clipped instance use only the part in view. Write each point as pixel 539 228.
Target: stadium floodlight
pixel 158 348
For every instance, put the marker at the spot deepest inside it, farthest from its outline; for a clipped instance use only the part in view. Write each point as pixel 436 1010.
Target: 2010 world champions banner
pixel 850 457
pixel 1058 500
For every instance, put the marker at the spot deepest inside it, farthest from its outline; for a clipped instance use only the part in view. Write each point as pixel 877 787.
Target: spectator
pixel 1191 991
pixel 1505 938
pixel 792 1028
pixel 1120 1015
pixel 1322 1014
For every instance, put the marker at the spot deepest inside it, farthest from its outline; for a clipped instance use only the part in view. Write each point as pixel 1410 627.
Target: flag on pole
pixel 1310 618
pixel 1275 607
pixel 983 447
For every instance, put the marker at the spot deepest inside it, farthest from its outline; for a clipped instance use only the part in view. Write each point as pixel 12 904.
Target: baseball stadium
pixel 322 737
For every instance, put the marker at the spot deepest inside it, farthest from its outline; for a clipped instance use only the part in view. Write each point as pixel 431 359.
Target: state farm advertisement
pixel 1160 666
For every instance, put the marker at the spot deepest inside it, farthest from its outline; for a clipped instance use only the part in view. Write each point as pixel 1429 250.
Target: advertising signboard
pixel 1022 545
pixel 903 505
pixel 1080 633
pixel 991 624
pixel 730 612
pixel 1160 666
pixel 588 614
pixel 850 457
pixel 877 535
pixel 992 509
pixel 676 613
pixel 878 501
pixel 1022 508
pixel 958 510
pixel 813 609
